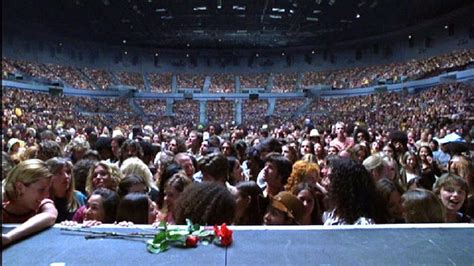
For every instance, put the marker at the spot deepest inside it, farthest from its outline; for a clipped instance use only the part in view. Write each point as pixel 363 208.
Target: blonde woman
pixel 25 200
pixel 136 166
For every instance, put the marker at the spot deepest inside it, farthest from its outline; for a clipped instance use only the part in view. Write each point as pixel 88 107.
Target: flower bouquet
pixel 189 237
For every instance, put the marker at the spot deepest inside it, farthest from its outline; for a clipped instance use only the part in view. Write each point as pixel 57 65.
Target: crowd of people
pixel 220 112
pixel 160 83
pixel 132 79
pixel 190 81
pixel 284 83
pixel 252 80
pixel 70 75
pixel 222 83
pixel 346 78
pixel 99 77
pixel 385 158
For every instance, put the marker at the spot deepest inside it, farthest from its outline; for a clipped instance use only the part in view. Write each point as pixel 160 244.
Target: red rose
pixel 224 234
pixel 192 241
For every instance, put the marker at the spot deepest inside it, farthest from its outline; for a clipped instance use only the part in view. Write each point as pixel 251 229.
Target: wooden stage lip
pixel 402 244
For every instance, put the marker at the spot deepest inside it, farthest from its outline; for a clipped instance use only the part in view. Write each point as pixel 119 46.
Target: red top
pixel 10 218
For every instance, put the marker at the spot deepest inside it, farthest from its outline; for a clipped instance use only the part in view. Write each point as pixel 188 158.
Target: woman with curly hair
pixel 303 172
pixel 101 175
pixel 352 194
pixel 207 203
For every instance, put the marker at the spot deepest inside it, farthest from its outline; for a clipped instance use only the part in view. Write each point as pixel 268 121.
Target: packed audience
pixel 385 158
pixel 71 75
pixel 219 112
pixel 225 83
pixel 99 77
pixel 161 82
pixel 252 80
pixel 283 83
pixel 152 107
pixel 190 81
pixel 222 83
pixel 131 79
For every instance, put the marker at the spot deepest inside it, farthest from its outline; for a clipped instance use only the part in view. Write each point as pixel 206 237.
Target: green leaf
pixel 164 246
pixel 159 237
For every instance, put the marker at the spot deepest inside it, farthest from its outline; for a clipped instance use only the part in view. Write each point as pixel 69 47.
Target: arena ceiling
pixel 224 24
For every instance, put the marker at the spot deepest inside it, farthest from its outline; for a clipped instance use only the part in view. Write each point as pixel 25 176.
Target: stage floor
pixel 276 245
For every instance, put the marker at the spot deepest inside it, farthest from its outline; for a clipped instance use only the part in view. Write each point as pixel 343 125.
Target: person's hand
pixel 429 159
pixel 69 223
pixel 90 223
pixel 124 223
pixel 6 240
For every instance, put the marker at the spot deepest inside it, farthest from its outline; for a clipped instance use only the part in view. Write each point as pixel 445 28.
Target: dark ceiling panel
pixel 223 23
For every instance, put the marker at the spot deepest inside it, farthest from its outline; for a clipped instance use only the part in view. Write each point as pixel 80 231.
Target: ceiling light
pixel 357 15
pixel 200 8
pixel 125 52
pixel 124 41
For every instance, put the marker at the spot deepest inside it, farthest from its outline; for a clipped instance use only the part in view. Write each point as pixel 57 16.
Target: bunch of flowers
pixel 189 237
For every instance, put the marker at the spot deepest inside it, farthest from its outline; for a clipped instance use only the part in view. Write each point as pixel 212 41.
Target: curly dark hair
pixel 352 190
pixel 206 203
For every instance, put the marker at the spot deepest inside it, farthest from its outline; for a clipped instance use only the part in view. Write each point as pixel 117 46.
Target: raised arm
pixel 44 219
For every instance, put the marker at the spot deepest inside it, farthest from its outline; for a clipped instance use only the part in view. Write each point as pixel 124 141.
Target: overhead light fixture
pixel 275 16
pixel 124 41
pixel 281 10
pixel 409 36
pixel 331 2
pixel 160 10
pixel 125 52
pixel 156 54
pixel 316 11
pixel 242 8
pixel 312 52
pixel 200 8
pixel 357 15
pixel 312 19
